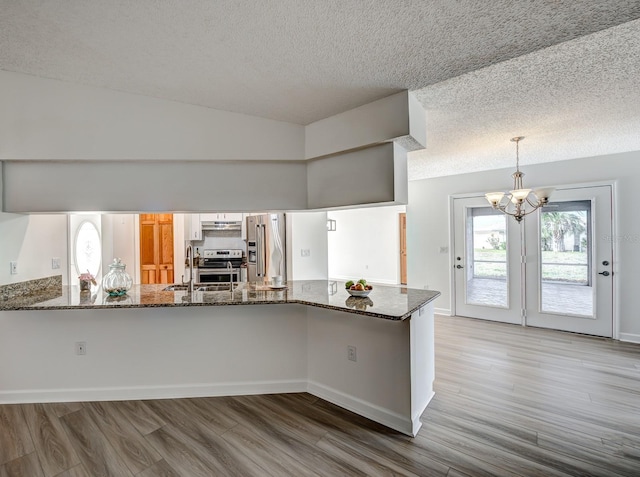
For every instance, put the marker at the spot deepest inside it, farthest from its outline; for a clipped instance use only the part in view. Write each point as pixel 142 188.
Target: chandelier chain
pixel 517 141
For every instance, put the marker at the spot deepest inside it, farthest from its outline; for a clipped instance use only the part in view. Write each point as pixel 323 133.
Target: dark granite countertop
pixel 384 301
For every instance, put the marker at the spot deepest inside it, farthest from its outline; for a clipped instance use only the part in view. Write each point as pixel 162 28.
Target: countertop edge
pixel 298 301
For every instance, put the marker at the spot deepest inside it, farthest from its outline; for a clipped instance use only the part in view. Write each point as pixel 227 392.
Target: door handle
pixel 459 266
pixel 605 273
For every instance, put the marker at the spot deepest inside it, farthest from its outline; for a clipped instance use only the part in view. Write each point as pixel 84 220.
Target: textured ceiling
pixel 484 70
pixel 292 60
pixel 577 99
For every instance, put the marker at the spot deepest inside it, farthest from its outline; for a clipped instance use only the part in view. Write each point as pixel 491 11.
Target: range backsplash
pixel 227 239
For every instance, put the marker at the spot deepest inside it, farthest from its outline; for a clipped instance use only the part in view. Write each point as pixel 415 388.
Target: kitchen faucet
pixel 190 263
pixel 230 268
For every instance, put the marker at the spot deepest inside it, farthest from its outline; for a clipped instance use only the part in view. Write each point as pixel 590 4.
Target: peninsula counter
pixel 160 344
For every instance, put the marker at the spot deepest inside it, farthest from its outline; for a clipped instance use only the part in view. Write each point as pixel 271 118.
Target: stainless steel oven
pixel 219 266
pixel 207 275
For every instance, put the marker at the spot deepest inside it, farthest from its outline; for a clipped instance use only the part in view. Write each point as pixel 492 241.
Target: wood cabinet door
pixel 156 248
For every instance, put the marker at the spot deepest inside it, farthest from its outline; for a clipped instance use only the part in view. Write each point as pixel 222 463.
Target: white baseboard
pixel 442 311
pixel 375 413
pixel 631 337
pixel 153 392
pixel 417 423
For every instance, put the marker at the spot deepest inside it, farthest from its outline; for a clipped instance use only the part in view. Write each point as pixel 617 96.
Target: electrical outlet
pixel 81 347
pixel 351 353
pixel 55 263
pixel 305 252
pixel 366 267
pixel 13 268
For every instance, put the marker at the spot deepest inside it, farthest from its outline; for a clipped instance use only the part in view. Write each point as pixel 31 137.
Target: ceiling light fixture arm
pixel 519 198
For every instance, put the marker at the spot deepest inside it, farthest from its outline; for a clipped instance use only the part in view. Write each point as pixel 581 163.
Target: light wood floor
pixel 509 401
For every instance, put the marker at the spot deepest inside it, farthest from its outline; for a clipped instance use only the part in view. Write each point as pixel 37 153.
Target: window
pixel 88 249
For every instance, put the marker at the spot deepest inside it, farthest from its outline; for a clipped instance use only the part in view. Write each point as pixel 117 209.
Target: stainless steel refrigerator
pixel 266 252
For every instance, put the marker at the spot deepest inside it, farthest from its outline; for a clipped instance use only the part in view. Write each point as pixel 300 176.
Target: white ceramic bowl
pixel 359 292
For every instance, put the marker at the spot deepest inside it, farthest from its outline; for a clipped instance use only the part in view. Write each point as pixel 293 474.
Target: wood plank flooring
pixel 509 401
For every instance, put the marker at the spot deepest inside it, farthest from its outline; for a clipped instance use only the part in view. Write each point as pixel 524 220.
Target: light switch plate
pixel 13 268
pixel 55 263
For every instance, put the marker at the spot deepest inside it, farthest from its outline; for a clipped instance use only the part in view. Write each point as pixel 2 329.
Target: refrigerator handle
pixel 263 241
pixel 258 250
pixel 261 250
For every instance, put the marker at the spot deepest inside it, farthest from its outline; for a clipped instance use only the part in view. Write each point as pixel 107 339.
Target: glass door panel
pixel 565 258
pixel 487 280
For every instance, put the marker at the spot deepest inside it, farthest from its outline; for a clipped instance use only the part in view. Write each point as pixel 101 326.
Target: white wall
pixel 366 244
pixel 32 241
pixel 428 223
pixel 195 150
pixel 154 186
pixel 152 352
pixel 307 231
pixel 380 378
pixel 120 240
pixel 368 124
pixel 53 119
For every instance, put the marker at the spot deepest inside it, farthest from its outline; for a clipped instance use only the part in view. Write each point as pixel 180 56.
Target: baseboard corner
pixel 383 416
pixel 630 337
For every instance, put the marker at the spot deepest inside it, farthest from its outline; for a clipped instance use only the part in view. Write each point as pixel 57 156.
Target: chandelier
pixel 519 201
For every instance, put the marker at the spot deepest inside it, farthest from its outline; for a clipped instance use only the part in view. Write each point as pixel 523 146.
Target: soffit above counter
pixel 363 177
pixel 356 158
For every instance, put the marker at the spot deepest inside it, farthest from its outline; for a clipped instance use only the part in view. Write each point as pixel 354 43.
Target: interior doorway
pixel 552 270
pixel 156 248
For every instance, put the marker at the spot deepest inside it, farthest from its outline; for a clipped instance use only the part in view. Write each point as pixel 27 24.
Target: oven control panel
pixel 222 254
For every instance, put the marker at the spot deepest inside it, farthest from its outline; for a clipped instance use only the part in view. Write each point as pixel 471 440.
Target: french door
pixel 487 267
pixel 569 282
pixel 553 270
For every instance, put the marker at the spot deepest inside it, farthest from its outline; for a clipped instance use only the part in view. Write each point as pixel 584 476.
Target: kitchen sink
pixel 200 287
pixel 176 288
pixel 214 287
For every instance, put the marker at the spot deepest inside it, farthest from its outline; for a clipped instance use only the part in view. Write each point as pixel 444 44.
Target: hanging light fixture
pixel 519 201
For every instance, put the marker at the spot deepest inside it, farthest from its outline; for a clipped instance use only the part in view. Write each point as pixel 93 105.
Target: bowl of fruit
pixel 359 288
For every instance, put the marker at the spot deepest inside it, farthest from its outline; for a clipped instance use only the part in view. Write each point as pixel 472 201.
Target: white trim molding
pixel 153 392
pixel 630 337
pixel 364 408
pixel 443 311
